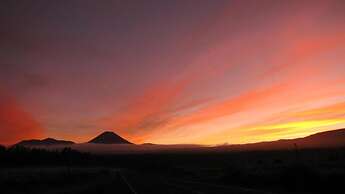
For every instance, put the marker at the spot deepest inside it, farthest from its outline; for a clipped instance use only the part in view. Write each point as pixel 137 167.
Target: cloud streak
pixel 223 71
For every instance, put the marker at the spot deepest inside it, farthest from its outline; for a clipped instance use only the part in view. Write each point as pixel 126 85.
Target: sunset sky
pixel 168 72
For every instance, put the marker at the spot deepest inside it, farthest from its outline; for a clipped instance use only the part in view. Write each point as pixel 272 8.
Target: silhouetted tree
pixel 2 149
pixel 2 152
pixel 66 154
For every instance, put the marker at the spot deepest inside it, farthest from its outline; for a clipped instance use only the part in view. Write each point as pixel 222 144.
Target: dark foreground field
pixel 34 171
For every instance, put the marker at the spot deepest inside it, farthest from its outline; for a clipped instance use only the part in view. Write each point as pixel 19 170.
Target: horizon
pixel 178 72
pixel 133 143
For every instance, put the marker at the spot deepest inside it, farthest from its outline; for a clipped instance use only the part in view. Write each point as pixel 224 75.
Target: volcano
pixel 109 137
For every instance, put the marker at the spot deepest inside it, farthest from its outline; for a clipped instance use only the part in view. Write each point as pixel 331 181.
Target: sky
pixel 171 72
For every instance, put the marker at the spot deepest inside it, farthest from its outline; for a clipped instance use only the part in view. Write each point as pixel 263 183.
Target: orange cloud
pixel 148 109
pixel 270 101
pixel 15 123
pixel 301 39
pixel 288 124
pixel 334 109
pixel 274 131
pixel 294 62
pixel 231 105
pixel 158 103
pixel 302 50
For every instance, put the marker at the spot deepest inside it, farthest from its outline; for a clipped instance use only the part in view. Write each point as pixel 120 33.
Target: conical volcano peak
pixel 109 137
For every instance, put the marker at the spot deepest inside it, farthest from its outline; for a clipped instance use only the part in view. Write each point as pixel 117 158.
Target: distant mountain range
pixel 44 142
pixel 109 137
pixel 328 139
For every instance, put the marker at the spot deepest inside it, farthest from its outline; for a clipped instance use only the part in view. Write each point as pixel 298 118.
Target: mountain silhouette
pixel 334 138
pixel 109 137
pixel 328 139
pixel 44 142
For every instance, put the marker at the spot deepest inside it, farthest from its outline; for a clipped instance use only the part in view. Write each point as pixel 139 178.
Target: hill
pixel 328 139
pixel 44 142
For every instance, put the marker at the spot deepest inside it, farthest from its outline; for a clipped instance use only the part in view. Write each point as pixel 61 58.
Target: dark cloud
pixel 21 77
